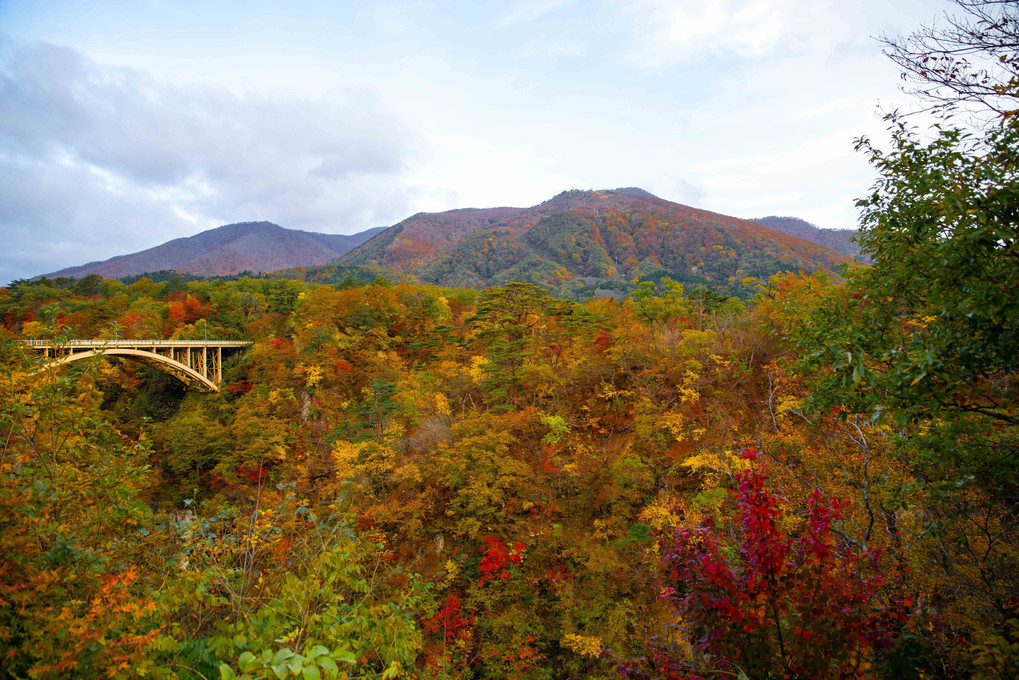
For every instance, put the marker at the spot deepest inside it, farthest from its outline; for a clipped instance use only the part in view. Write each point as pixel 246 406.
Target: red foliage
pixel 547 467
pixel 365 523
pixel 175 317
pixel 192 310
pixel 280 343
pixel 128 320
pixel 184 311
pixel 447 620
pixel 497 555
pixel 217 482
pixel 253 473
pixel 242 387
pixel 558 575
pixel 795 606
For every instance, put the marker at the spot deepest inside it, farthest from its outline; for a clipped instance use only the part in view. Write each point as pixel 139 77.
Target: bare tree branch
pixel 970 58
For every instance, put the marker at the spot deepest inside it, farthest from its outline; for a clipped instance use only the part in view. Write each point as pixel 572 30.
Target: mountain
pixel 842 240
pixel 588 241
pixel 230 249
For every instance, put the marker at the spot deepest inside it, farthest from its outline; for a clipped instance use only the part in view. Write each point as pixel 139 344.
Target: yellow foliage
pixel 313 375
pixel 715 464
pixel 585 645
pixel 33 329
pixel 695 341
pixel 442 404
pixel 661 427
pixel 364 458
pixel 659 515
pixel 391 360
pixel 609 392
pixel 786 404
pixel 408 473
pixel 344 455
pixel 452 571
pixel 274 396
pixel 687 393
pixel 673 422
pixel 443 306
pixel 477 369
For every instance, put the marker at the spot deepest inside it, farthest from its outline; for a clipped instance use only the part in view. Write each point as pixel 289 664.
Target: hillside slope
pixel 588 240
pixel 842 240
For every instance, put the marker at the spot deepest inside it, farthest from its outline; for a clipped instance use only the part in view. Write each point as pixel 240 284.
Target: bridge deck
pixel 133 344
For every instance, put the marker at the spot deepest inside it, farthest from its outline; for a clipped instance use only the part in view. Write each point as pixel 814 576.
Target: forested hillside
pixel 582 243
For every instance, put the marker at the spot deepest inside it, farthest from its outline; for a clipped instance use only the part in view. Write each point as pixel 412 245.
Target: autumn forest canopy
pixel 816 476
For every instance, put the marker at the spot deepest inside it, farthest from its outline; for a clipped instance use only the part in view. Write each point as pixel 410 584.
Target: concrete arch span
pixel 176 369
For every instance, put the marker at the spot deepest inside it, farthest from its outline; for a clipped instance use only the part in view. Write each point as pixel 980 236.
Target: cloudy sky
pixel 125 123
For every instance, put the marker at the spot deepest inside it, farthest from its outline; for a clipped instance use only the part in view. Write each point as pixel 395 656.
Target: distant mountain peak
pixel 634 191
pixel 230 249
pixel 580 193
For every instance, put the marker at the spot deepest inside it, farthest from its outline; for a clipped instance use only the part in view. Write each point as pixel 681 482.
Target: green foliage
pixel 505 318
pixel 327 616
pixel 925 338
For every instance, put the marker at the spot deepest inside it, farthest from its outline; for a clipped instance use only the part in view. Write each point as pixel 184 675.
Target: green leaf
pixel 296 663
pixel 246 661
pixel 317 651
pixel 327 663
pixel 226 673
pixel 346 655
pixel 282 655
pixel 311 673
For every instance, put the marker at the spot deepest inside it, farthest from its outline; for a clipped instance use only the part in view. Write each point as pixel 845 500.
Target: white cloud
pixel 682 31
pixel 505 103
pixel 109 160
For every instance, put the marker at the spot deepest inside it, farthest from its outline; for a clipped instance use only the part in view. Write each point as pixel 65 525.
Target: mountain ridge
pixel 842 240
pixel 576 243
pixel 229 249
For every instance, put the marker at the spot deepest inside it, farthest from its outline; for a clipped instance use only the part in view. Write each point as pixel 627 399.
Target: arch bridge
pixel 196 363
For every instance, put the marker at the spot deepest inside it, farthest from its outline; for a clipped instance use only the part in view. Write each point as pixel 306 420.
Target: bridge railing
pixel 137 343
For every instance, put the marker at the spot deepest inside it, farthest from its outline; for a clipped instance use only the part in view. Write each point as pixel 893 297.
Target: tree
pixel 926 337
pixel 927 334
pixel 505 318
pixel 971 58
pixel 924 342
